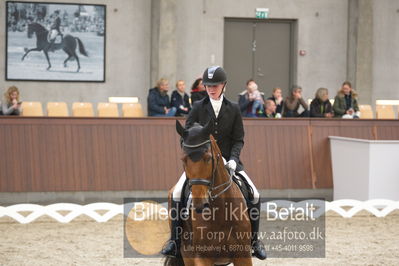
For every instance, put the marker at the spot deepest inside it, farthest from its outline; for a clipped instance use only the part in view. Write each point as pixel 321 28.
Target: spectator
pixel 11 104
pixel 251 100
pixel 256 97
pixel 345 103
pixel 180 99
pixel 321 106
pixel 277 98
pixel 158 100
pixel 270 110
pixel 293 102
pixel 198 91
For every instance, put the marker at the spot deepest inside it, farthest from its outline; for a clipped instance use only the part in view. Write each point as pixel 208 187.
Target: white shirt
pixel 216 105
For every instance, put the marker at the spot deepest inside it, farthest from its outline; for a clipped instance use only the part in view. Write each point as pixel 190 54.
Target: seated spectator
pixel 198 91
pixel 180 100
pixel 321 106
pixel 277 98
pixel 251 100
pixel 345 103
pixel 158 100
pixel 270 109
pixel 11 104
pixel 293 102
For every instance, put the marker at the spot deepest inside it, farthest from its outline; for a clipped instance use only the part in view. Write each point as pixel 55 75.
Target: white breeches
pixel 177 191
pixel 53 34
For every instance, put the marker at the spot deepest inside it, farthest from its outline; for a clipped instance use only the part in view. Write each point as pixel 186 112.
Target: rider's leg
pixel 177 191
pixel 172 247
pixel 254 215
pixel 53 37
pixel 251 184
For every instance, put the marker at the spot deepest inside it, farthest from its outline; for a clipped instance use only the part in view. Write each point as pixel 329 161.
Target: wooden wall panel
pixel 97 154
pixel 387 130
pixel 276 153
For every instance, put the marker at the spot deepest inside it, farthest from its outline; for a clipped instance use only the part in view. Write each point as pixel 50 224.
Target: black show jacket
pixel 228 129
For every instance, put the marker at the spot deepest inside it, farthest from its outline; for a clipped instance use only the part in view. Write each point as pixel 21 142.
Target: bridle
pixel 206 182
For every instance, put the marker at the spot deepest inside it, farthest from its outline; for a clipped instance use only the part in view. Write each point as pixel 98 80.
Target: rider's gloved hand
pixel 231 165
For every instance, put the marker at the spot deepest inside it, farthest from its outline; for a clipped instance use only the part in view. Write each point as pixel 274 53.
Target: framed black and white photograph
pixel 55 41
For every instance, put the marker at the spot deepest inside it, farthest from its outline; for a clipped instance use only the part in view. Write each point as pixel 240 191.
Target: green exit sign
pixel 262 13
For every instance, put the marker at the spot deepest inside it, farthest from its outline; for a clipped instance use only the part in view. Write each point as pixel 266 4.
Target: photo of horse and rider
pixel 58 42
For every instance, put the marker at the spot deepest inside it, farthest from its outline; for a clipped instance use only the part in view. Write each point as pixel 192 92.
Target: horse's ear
pixel 215 147
pixel 212 139
pixel 179 128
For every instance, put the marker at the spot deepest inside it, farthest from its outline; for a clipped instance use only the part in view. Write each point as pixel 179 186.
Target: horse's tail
pixel 82 49
pixel 169 261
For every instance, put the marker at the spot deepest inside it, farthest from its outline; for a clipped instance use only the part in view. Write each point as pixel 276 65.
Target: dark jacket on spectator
pixel 197 95
pixel 343 103
pixel 228 128
pixel 319 108
pixel 279 107
pixel 273 115
pixel 156 102
pixel 245 104
pixel 292 104
pixel 178 101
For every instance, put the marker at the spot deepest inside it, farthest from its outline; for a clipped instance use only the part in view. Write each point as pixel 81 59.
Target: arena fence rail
pixel 377 207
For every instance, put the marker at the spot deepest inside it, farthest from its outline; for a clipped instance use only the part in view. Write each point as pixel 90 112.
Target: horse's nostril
pixel 198 210
pixel 207 206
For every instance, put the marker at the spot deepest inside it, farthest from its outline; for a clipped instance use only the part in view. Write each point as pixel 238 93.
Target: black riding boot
pixel 257 245
pixel 172 247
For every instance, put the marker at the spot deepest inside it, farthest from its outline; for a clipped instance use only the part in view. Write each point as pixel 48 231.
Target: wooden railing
pixel 111 154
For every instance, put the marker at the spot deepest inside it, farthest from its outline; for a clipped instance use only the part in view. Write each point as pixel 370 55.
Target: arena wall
pixel 385 51
pixel 177 39
pixel 200 27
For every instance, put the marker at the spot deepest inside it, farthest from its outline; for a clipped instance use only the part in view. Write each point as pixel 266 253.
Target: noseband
pixel 206 182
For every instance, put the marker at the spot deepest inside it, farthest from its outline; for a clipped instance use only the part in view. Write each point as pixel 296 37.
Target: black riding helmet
pixel 213 76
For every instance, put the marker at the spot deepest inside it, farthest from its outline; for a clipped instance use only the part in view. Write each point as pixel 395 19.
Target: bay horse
pixel 68 44
pixel 211 235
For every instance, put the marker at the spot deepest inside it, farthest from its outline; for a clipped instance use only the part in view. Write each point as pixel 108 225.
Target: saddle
pixel 57 39
pixel 246 190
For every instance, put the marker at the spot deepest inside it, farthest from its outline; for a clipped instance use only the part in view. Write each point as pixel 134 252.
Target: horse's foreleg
pixel 48 60
pixel 198 261
pixel 28 51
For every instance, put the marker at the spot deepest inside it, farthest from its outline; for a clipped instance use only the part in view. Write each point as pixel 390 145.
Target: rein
pixel 206 182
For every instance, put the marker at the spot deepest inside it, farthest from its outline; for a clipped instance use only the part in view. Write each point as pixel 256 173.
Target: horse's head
pixel 198 162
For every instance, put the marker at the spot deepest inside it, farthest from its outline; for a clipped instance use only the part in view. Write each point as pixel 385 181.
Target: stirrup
pixel 170 249
pixel 259 250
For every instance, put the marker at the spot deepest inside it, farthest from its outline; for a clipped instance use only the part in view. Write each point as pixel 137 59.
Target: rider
pixel 55 28
pixel 228 131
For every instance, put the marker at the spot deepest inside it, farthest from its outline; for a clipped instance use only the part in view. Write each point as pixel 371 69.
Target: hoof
pixel 49 68
pixel 65 65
